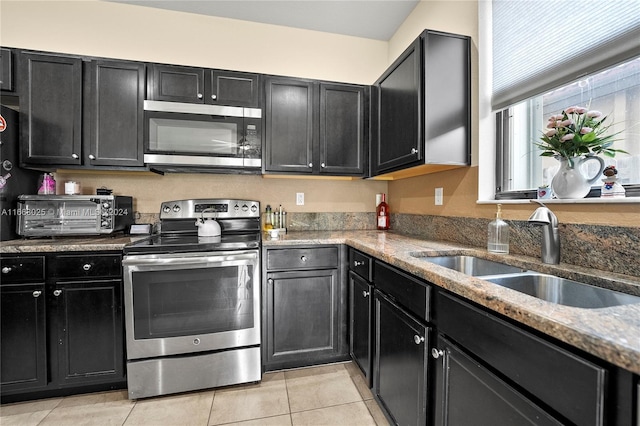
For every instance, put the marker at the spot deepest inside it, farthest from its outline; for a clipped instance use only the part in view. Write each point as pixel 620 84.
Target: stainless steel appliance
pixel 192 304
pixel 51 215
pixel 197 136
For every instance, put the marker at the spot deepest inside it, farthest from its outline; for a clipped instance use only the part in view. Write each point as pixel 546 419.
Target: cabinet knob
pixel 92 157
pixel 199 95
pixel 365 293
pixel 214 97
pixel 418 339
pixel 436 353
pixel 6 270
pixel 75 156
pixel 57 292
pixel 310 164
pixel 303 258
pixel 270 281
pixel 357 263
pixel 86 266
pixel 322 165
pixel 414 151
pixel 37 293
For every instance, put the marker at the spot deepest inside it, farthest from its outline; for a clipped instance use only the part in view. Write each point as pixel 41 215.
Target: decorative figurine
pixel 610 187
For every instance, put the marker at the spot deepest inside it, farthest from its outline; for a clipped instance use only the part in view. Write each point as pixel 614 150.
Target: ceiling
pixel 374 19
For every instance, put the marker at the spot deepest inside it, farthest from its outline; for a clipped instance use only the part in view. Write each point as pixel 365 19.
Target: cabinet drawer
pixel 302 258
pixel 361 264
pixel 84 266
pixel 527 360
pixel 409 292
pixel 22 269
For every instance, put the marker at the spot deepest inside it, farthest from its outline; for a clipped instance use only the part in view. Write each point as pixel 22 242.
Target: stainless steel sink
pixel 562 291
pixel 471 265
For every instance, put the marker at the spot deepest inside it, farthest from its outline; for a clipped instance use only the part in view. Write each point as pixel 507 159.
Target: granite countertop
pixel 48 245
pixel 612 334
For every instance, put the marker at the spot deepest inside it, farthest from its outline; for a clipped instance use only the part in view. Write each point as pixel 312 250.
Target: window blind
pixel 542 44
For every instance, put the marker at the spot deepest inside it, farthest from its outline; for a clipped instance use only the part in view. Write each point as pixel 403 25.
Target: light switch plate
pixel 438 196
pixel 299 198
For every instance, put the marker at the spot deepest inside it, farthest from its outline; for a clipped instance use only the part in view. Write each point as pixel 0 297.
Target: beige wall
pixel 132 32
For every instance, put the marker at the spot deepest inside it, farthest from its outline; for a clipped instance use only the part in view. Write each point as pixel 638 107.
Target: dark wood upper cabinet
pixel 422 107
pixel 81 112
pixel 204 86
pixel 315 127
pixel 6 70
pixel 115 110
pixel 51 101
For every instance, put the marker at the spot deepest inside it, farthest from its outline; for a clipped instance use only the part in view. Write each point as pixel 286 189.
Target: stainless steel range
pixel 192 304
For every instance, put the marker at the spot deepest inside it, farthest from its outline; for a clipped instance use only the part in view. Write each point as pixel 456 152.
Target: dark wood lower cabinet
pixel 65 334
pixel 361 323
pixel 89 334
pixel 467 393
pixel 401 360
pixel 304 307
pixel 23 341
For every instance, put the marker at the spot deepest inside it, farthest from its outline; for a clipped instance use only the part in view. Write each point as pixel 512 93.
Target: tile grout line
pixel 286 388
pixel 211 408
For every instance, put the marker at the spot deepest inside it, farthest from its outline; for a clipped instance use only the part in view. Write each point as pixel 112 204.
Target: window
pixel 583 53
pixel 615 92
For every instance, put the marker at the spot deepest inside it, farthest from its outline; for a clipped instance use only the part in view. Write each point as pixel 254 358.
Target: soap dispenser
pixel 498 234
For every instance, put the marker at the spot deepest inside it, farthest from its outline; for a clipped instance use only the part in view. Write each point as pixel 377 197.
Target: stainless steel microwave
pixel 179 135
pixel 53 215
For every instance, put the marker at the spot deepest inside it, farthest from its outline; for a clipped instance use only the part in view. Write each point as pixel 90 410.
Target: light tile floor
pixel 331 395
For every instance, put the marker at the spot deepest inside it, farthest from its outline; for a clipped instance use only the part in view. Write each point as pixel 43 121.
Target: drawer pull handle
pixel 418 339
pixel 436 353
pixel 57 292
pixel 37 293
pixel 86 266
pixel 357 263
pixel 6 270
pixel 303 258
pixel 365 293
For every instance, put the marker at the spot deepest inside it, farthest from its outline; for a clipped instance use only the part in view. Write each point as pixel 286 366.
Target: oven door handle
pixel 177 261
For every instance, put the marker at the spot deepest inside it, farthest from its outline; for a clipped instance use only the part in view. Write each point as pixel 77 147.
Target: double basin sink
pixel 543 286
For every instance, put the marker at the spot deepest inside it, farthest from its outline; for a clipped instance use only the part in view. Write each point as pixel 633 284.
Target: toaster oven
pixel 52 215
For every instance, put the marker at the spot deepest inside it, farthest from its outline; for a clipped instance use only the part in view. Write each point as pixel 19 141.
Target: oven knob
pixel 254 208
pixel 166 209
pixel 236 207
pixel 245 207
pixel 196 341
pixel 176 208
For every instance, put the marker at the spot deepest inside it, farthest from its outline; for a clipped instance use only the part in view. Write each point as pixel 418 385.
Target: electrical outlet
pixel 299 198
pixel 438 196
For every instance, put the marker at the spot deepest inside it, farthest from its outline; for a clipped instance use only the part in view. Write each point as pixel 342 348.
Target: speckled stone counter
pixel 48 245
pixel 612 334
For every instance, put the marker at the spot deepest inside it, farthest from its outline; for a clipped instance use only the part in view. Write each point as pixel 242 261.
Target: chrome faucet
pixel 550 237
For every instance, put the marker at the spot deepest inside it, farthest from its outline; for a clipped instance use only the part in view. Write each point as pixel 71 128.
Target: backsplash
pixel 607 248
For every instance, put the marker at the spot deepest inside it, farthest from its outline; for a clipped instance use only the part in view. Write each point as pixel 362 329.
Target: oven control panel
pixel 215 208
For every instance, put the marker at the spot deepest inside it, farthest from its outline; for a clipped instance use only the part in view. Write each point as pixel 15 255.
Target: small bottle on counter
pixel 268 222
pixel 498 234
pixel 382 214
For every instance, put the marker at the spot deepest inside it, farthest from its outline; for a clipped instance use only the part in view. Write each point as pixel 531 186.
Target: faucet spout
pixel 550 236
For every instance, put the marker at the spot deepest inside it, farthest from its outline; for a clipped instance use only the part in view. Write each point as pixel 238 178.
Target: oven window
pixel 191 136
pixel 187 302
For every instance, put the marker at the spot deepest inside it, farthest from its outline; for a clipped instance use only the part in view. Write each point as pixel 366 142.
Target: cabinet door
pixel 361 321
pixel 233 88
pixel 400 370
pixel 289 126
pixel 466 391
pixel 398 140
pixel 177 84
pixel 51 103
pixel 23 344
pixel 89 326
pixel 342 129
pixel 115 109
pixel 6 70
pixel 306 319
